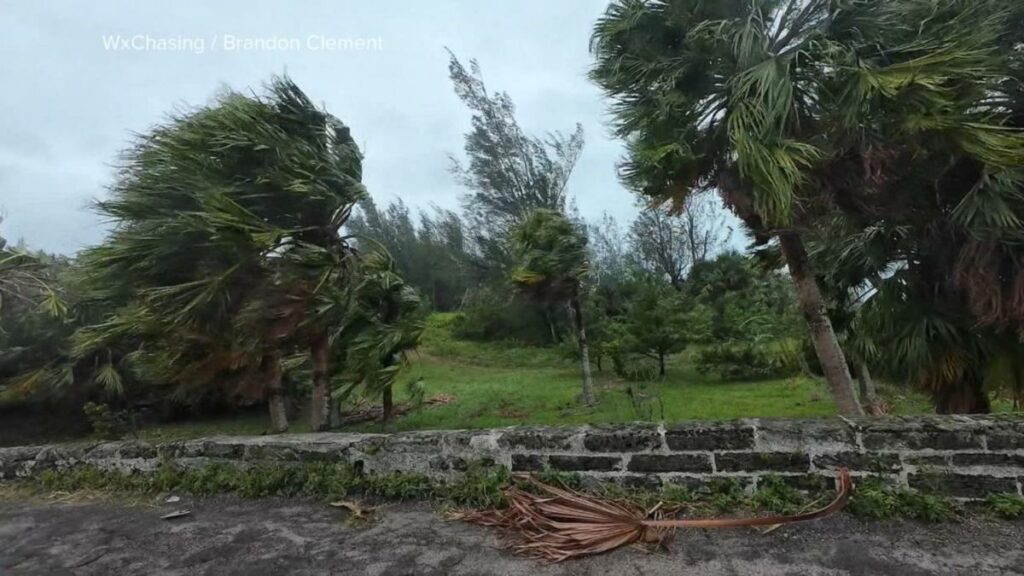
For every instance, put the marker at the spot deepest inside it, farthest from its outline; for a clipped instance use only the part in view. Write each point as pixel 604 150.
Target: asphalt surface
pixel 273 537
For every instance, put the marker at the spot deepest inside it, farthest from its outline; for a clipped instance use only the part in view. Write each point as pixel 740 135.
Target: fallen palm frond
pixel 359 514
pixel 558 524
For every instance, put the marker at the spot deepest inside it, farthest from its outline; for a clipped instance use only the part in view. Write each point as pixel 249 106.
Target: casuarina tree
pixel 507 172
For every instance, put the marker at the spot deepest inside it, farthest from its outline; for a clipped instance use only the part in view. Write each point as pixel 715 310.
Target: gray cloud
pixel 70 104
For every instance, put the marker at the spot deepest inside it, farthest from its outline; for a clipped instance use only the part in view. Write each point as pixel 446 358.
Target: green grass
pixel 490 396
pixel 504 384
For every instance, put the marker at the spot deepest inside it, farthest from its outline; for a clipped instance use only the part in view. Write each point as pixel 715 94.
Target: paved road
pixel 274 537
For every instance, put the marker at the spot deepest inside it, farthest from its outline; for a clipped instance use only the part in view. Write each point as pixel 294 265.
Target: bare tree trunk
pixel 550 321
pixel 661 363
pixel 826 345
pixel 868 391
pixel 334 414
pixel 581 337
pixel 319 351
pixel 387 406
pixel 275 392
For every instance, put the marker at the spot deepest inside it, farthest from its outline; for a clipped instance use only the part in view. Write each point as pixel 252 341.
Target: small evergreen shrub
pixel 749 360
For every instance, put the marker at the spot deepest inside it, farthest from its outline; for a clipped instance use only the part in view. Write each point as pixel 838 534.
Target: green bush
pixel 725 494
pixel 750 360
pixel 441 337
pixel 481 487
pixel 107 423
pixel 1007 506
pixel 774 495
pixel 495 313
pixel 876 499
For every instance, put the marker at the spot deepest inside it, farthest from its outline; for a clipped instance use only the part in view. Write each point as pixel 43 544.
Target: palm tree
pixel 226 228
pixel 34 322
pixel 715 95
pixel 551 255
pixel 383 323
pixel 24 280
pixel 931 201
pixel 796 109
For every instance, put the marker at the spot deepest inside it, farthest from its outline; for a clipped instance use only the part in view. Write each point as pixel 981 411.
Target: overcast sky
pixel 71 100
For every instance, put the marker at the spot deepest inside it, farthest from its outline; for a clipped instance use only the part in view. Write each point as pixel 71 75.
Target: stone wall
pixel 964 457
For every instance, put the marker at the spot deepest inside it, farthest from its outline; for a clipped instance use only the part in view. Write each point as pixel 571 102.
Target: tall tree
pixel 797 110
pixel 714 96
pixel 669 242
pixel 551 253
pixel 508 173
pixel 227 221
pixel 789 108
pixel 431 255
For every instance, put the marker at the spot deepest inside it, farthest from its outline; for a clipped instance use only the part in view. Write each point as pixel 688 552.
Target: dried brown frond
pixel 558 524
pixel 977 274
pixel 1016 304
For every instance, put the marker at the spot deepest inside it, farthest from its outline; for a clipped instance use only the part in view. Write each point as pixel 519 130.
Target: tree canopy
pixel 894 115
pixel 227 224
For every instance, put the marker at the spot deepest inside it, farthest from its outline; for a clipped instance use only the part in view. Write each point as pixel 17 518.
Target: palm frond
pixel 557 524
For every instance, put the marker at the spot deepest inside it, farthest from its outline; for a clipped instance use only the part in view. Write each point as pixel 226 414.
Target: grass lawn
pixel 503 384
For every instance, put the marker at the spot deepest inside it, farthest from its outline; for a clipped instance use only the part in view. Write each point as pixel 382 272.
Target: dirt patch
pixel 233 536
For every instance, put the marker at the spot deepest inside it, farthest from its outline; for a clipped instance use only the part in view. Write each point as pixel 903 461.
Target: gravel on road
pixel 228 535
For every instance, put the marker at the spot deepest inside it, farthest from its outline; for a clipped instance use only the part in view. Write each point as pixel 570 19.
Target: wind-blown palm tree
pixel 24 280
pixel 930 195
pixel 226 228
pixel 551 255
pixel 382 323
pixel 796 109
pixel 31 295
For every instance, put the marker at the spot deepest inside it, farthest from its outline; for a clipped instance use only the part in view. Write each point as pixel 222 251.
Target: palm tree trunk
pixel 387 405
pixel 275 391
pixel 826 345
pixel 576 313
pixel 868 390
pixel 319 351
